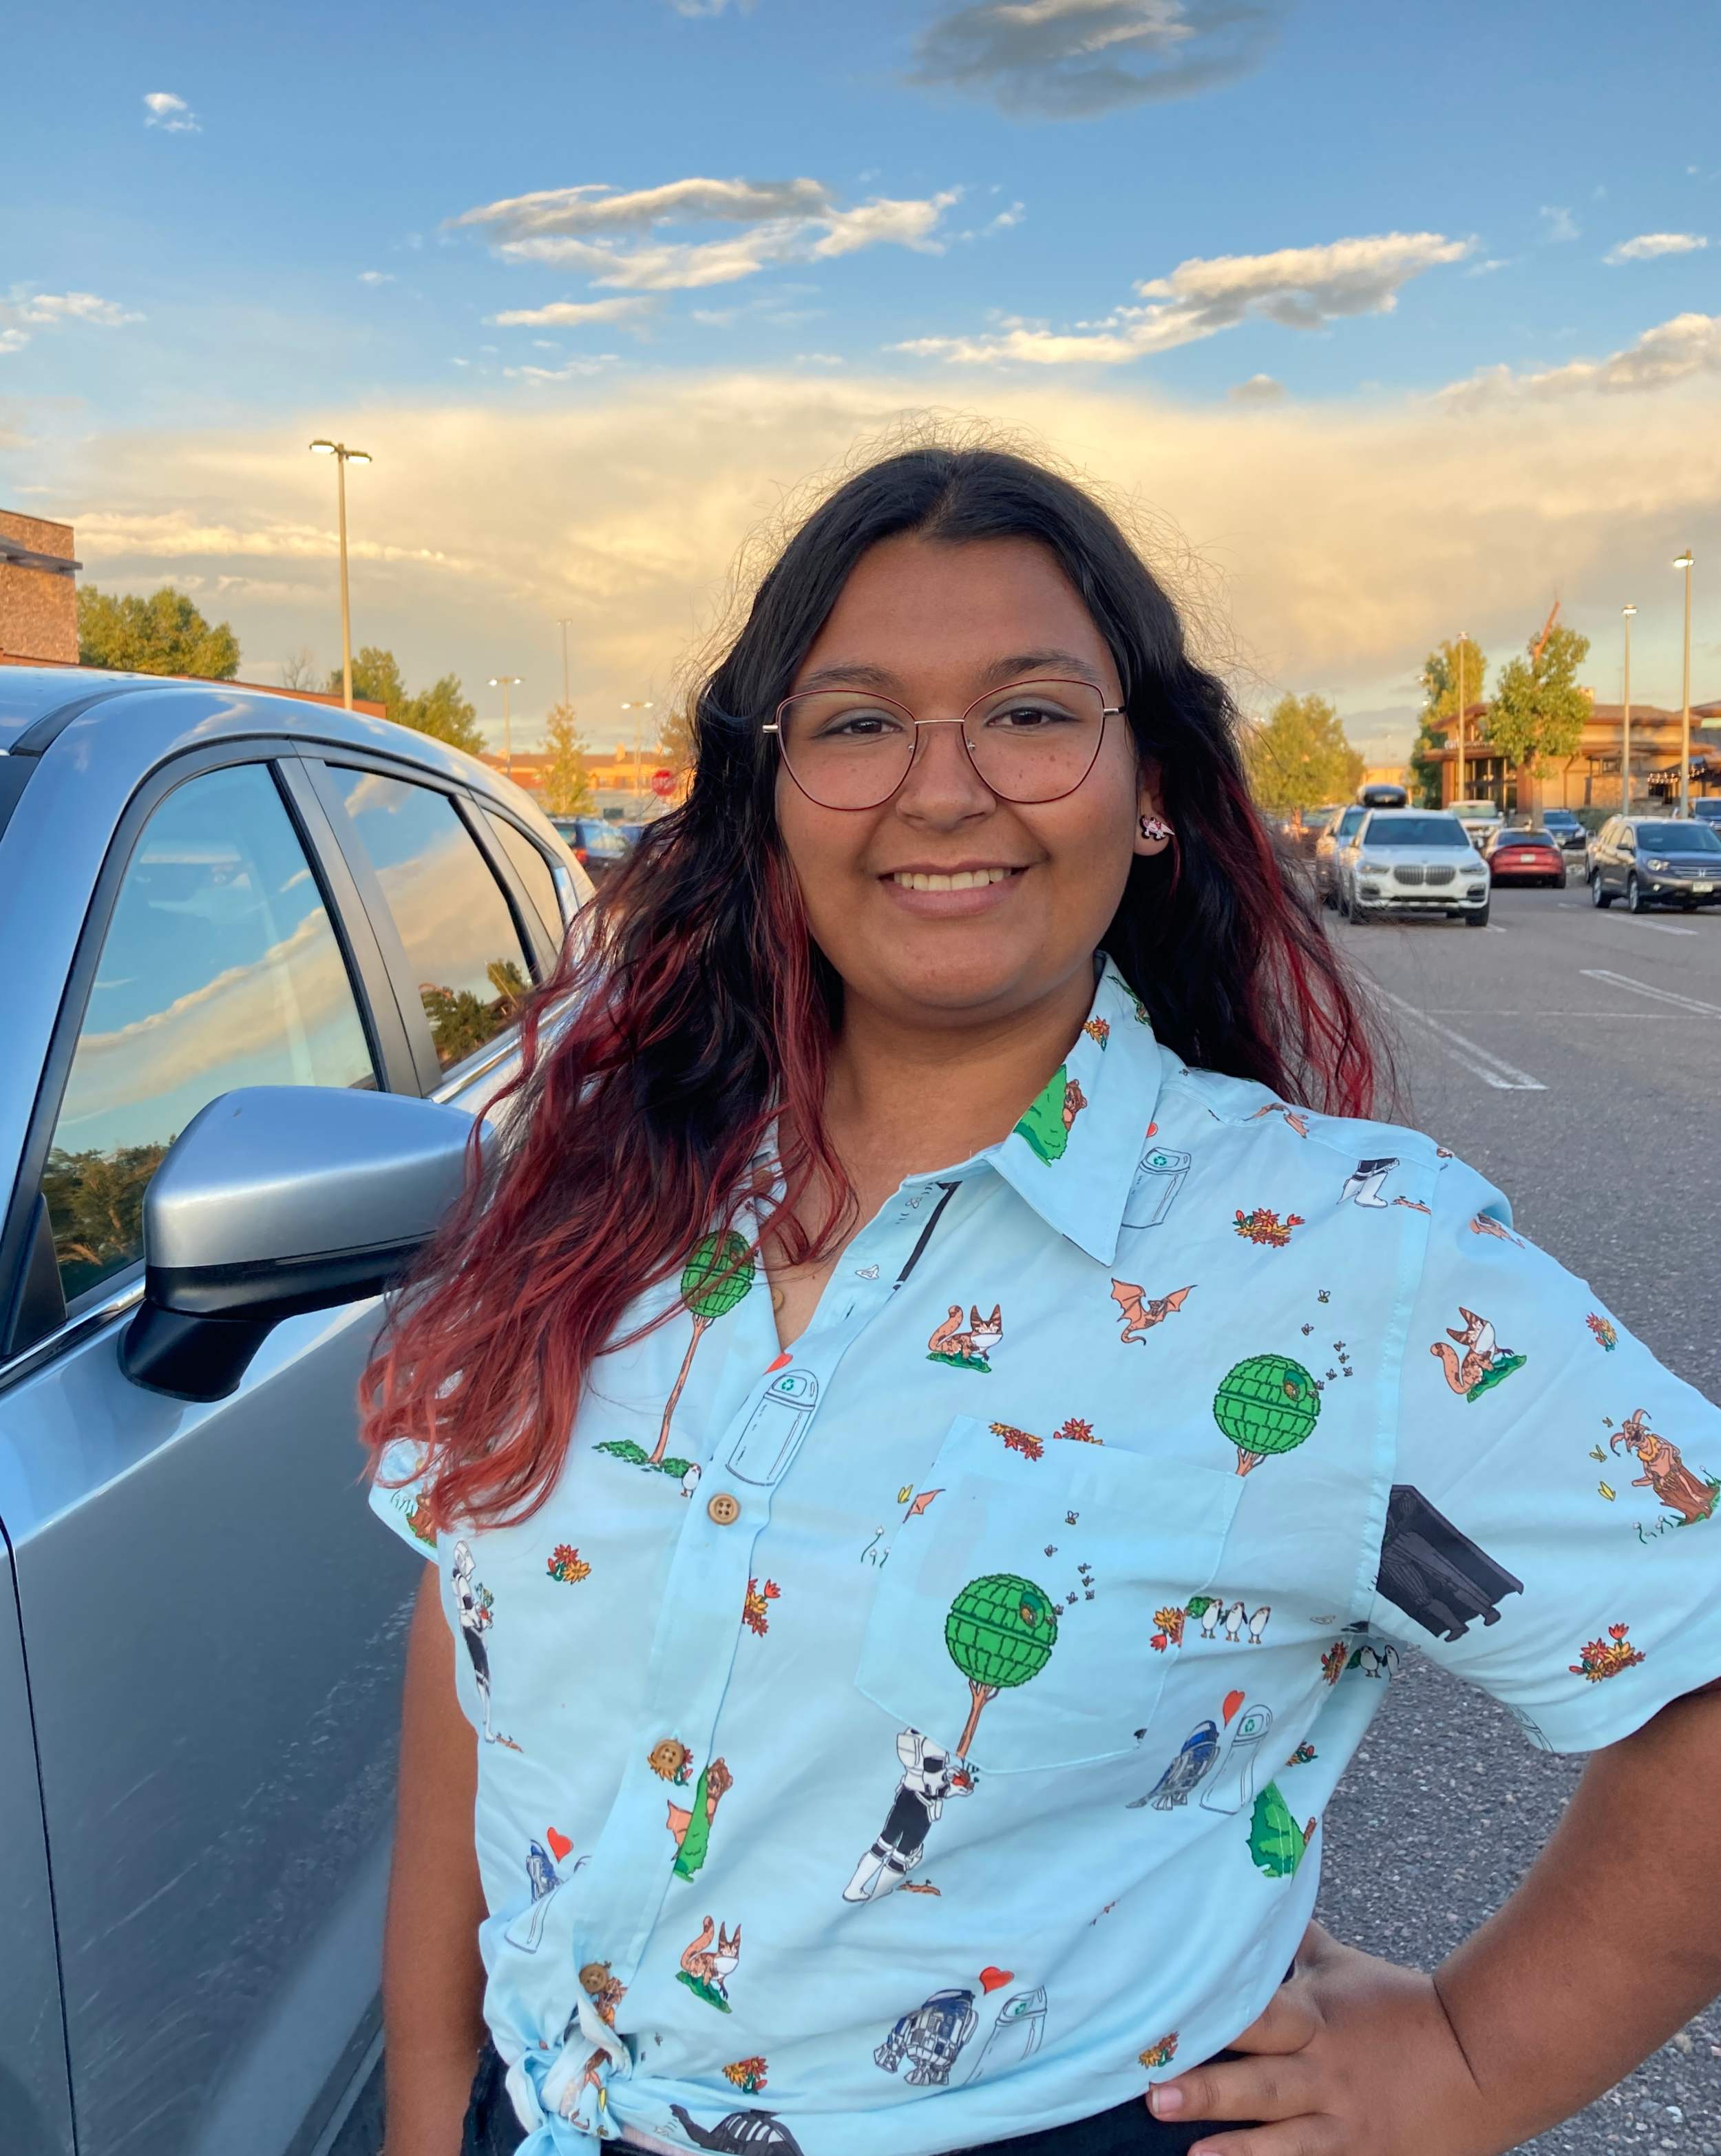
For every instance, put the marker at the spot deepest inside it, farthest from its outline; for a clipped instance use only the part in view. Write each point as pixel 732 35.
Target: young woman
pixel 942 1416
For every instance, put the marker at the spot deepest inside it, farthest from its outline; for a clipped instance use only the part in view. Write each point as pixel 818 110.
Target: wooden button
pixel 724 1509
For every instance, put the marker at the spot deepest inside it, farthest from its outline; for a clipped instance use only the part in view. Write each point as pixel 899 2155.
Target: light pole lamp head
pixel 1628 611
pixel 1684 561
pixel 506 681
pixel 325 449
pixel 356 456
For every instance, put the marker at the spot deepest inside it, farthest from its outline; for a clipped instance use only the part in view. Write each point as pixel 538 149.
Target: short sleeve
pixel 397 1497
pixel 1550 1533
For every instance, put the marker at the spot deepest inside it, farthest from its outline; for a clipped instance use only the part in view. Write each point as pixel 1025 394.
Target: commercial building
pixel 621 779
pixel 1590 776
pixel 38 595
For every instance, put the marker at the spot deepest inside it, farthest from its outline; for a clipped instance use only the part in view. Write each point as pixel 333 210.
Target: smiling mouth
pixel 962 880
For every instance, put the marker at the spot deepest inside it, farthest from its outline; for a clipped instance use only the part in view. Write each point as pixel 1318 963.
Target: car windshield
pixel 1415 831
pixel 1563 817
pixel 1347 822
pixel 1677 839
pixel 1478 812
pixel 1506 839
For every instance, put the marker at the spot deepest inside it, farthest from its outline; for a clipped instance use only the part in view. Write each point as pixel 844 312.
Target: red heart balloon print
pixel 1233 1701
pixel 559 1844
pixel 992 1979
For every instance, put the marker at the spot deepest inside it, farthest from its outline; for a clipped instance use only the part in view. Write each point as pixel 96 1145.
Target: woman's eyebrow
pixel 1017 667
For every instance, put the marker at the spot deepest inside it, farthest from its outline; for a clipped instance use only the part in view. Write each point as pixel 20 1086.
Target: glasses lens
pixel 846 749
pixel 1037 740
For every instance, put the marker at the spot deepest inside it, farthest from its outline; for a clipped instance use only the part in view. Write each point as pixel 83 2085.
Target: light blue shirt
pixel 924 1734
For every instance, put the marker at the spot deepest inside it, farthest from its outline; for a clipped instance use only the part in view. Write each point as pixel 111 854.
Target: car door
pixel 213 1629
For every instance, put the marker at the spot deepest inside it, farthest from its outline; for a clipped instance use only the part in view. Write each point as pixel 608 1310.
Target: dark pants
pixel 1128 2129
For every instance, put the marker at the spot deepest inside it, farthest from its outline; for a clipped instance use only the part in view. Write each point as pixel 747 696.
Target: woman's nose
pixel 943 785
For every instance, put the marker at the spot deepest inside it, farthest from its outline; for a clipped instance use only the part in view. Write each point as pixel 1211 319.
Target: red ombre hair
pixel 691 1009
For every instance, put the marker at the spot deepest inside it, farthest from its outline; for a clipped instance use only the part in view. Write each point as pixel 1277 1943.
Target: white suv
pixel 1412 860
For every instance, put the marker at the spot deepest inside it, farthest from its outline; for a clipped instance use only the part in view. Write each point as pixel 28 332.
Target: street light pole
pixel 343 457
pixel 505 682
pixel 1626 732
pixel 638 736
pixel 1683 562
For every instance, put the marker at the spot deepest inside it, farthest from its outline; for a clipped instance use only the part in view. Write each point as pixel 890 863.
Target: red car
pixel 1524 857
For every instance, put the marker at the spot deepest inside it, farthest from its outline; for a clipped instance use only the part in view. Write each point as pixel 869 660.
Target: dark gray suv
pixel 263 963
pixel 1655 860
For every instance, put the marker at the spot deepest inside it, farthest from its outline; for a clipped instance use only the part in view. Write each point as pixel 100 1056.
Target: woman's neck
pixel 903 1097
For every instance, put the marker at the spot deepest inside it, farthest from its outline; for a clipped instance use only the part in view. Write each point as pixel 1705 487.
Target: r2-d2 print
pixel 1158 1180
pixel 930 2038
pixel 775 1428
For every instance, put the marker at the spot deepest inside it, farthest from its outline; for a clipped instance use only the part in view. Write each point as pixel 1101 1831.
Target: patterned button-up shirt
pixel 923 1733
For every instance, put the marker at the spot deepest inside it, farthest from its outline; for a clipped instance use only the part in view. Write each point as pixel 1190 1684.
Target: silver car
pixel 1340 828
pixel 263 959
pixel 1402 861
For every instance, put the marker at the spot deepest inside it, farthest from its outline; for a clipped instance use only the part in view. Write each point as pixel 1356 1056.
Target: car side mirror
pixel 278 1199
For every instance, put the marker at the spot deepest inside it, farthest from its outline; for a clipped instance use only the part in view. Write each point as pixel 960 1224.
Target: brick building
pixel 38 597
pixel 1590 776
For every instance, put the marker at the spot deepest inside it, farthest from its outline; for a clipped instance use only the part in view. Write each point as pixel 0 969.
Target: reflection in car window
pixel 533 870
pixel 219 968
pixel 459 937
pixel 1692 838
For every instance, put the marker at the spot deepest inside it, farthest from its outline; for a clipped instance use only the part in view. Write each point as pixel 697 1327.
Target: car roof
pixel 36 702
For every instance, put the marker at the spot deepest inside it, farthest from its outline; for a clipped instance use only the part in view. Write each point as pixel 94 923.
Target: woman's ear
pixel 1153 834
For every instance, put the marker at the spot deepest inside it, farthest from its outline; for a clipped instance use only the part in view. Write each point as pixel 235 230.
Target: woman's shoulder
pixel 1258 1117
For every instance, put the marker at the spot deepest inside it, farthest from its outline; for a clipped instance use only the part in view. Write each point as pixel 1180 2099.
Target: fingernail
pixel 1167 2100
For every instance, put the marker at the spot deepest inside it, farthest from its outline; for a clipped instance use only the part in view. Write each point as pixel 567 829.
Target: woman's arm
pixel 1612 1942
pixel 433 1980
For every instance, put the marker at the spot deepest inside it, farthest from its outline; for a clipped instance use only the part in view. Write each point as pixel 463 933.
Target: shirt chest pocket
pixel 1014 1619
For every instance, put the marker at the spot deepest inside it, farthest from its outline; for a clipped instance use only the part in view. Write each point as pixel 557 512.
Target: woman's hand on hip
pixel 1354 2056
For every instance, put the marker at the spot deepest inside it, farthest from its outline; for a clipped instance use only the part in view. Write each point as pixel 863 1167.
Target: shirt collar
pixel 1073 1156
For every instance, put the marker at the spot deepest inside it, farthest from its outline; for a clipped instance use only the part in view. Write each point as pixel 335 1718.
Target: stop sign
pixel 663 784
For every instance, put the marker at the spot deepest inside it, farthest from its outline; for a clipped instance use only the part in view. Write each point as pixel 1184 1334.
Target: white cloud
pixel 1298 287
pixel 171 113
pixel 24 310
pixel 820 359
pixel 1069 59
pixel 692 10
pixel 1258 389
pixel 1671 352
pixel 1558 223
pixel 573 314
pixel 575 370
pixel 1647 245
pixel 1488 267
pixel 375 276
pixel 613 237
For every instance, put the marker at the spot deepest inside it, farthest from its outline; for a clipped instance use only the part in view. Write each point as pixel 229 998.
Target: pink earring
pixel 1156 826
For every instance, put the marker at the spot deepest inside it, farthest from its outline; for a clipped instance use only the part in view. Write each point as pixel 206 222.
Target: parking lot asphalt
pixel 1574 1056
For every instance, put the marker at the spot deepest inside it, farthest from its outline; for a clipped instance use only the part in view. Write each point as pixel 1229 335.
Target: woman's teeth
pixel 964 879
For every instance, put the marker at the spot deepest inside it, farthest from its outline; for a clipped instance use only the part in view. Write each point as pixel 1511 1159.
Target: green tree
pixel 1537 709
pixel 566 787
pixel 1439 678
pixel 1300 757
pixel 446 713
pixel 442 711
pixel 164 633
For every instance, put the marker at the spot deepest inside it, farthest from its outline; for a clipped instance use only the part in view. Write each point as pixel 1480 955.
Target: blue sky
pixel 1199 239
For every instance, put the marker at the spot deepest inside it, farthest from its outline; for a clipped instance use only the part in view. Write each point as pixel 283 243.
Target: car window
pixel 1415 831
pixel 461 944
pixel 219 968
pixel 531 868
pixel 1349 821
pixel 1677 839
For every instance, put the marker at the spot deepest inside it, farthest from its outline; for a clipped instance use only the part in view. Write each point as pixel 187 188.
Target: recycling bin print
pixel 1158 1180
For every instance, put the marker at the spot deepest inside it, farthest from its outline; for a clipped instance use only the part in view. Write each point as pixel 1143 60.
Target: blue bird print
pixel 1193 1763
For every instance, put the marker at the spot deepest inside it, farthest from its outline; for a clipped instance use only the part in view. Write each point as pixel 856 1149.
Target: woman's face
pixel 929 621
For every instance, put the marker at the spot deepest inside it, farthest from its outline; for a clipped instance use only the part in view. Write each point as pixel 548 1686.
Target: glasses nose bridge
pixel 917 758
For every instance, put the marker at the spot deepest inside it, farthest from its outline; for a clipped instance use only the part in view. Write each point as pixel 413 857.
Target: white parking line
pixel 1494 929
pixel 1643 988
pixel 1492 1070
pixel 1660 927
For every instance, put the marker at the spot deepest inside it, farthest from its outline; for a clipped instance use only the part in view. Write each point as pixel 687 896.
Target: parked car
pixel 597 846
pixel 1515 856
pixel 1564 829
pixel 223 890
pixel 1706 807
pixel 1656 861
pixel 1340 829
pixel 1478 818
pixel 1403 861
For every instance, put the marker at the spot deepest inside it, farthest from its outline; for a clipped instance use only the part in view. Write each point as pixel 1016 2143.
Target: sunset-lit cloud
pixel 1671 352
pixel 1301 288
pixel 1647 246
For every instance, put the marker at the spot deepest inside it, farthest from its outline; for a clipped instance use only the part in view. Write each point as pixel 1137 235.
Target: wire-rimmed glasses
pixel 1031 741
